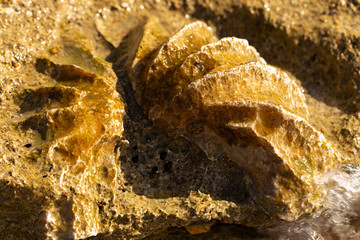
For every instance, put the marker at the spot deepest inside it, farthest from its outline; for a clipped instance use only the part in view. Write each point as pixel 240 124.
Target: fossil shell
pixel 75 116
pixel 225 98
pixel 79 119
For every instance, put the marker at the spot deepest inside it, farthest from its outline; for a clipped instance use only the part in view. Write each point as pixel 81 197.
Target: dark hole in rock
pixel 163 155
pixel 28 145
pixel 135 159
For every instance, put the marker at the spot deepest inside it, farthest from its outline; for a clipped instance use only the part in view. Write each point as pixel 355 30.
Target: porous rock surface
pixel 75 165
pixel 225 98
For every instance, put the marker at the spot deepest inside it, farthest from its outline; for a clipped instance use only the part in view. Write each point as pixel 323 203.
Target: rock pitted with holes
pixel 225 98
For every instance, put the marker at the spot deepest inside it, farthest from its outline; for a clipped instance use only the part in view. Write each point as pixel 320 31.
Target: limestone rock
pixel 229 140
pixel 78 118
pixel 223 97
pixel 87 171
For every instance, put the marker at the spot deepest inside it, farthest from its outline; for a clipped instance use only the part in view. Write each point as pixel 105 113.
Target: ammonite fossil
pixel 226 99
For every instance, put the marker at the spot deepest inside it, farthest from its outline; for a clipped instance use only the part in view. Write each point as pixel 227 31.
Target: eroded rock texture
pixel 222 96
pixel 228 139
pixel 78 117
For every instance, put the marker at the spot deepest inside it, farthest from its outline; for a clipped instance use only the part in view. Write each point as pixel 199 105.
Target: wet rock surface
pixel 93 148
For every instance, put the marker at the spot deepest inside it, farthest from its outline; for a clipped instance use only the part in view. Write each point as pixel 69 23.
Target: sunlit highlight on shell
pixel 226 99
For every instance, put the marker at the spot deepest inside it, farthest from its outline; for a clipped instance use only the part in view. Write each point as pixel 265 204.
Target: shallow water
pixel 340 218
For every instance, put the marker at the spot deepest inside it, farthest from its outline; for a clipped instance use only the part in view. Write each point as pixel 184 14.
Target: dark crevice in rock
pixel 133 109
pixel 218 231
pixel 123 85
pixel 185 170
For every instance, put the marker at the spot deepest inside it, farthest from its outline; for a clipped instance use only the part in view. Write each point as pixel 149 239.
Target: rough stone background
pixel 318 42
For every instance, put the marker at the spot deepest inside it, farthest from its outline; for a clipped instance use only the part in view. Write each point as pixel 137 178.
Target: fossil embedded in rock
pixel 152 61
pixel 78 116
pixel 226 99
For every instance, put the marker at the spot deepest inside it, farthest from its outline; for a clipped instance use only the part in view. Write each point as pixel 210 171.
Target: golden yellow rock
pixel 79 119
pixel 199 228
pixel 154 61
pixel 227 100
pixel 74 115
pixel 137 45
pixel 54 50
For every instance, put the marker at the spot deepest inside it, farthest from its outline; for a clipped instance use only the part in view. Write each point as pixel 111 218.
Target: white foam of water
pixel 340 218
